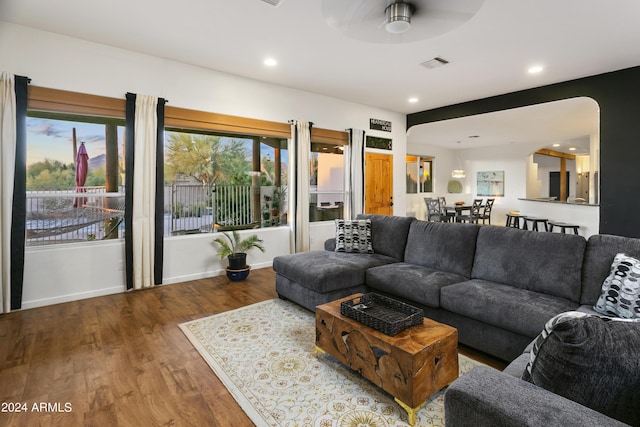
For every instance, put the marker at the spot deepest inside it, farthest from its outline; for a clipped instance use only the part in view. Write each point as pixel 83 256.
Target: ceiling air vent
pixel 275 3
pixel 434 63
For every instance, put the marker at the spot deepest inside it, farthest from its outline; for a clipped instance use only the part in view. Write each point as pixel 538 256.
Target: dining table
pixel 459 209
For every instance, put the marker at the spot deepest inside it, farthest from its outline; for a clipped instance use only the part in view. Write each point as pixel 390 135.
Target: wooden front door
pixel 378 186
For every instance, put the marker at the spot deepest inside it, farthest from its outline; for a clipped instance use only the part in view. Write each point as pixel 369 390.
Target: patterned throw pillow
pixel 353 236
pixel 590 359
pixel 620 295
pixel 548 329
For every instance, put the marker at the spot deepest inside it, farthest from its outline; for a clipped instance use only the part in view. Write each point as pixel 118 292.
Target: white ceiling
pixel 489 54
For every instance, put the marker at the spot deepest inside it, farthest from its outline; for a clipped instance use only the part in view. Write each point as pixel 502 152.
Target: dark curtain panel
pixel 19 213
pixel 159 217
pixel 130 117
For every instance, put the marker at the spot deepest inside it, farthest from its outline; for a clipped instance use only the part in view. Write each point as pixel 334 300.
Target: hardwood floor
pixel 121 360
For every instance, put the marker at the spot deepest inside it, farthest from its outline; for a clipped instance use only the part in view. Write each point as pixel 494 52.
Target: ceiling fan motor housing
pixel 398 17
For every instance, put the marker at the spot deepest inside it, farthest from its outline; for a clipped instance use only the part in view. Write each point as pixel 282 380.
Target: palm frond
pixel 233 243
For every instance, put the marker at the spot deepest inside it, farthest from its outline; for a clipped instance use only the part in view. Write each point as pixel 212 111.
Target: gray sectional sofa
pixel 498 286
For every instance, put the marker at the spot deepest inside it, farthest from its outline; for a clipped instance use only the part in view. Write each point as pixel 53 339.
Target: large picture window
pixel 219 181
pixel 75 168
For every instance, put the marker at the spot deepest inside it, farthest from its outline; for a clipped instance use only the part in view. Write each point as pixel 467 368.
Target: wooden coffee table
pixel 410 366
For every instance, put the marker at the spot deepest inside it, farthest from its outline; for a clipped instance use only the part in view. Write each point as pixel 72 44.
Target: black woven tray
pixel 382 313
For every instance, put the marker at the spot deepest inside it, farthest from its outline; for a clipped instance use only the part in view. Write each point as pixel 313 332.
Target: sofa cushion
pixel 621 289
pixel 389 234
pixel 325 271
pixel 598 256
pixel 442 246
pixel 353 236
pixel 550 263
pixel 514 309
pixel 591 360
pixel 412 282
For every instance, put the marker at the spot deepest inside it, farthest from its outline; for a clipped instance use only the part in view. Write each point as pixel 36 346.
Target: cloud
pixel 93 138
pixel 47 128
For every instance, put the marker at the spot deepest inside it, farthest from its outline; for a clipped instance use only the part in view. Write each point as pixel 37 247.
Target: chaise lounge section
pixel 317 277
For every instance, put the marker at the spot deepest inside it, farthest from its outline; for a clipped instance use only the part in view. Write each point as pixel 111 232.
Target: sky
pixel 53 140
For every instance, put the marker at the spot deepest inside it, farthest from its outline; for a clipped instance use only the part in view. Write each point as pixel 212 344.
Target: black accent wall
pixel 618 94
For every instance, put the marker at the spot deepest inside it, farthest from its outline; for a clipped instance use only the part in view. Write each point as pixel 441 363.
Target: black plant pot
pixel 237 261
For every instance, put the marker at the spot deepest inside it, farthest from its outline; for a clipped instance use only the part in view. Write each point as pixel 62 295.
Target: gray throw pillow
pixel 592 360
pixel 353 236
pixel 620 295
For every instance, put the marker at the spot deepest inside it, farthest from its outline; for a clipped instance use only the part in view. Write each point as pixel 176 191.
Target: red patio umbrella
pixel 82 168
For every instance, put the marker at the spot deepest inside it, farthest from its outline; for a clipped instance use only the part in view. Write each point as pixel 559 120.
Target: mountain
pixel 98 161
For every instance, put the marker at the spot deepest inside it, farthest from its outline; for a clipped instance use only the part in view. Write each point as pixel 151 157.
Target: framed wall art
pixel 491 184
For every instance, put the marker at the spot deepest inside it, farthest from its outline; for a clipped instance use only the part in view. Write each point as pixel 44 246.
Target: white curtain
pixel 7 163
pixel 144 182
pixel 299 152
pixel 354 174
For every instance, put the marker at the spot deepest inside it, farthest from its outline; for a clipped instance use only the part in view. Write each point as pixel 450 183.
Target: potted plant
pixel 278 201
pixel 234 248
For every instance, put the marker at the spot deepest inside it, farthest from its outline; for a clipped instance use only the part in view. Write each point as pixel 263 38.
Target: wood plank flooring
pixel 121 360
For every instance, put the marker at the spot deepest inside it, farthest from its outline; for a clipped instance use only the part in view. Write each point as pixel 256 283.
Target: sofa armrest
pixel 488 397
pixel 330 244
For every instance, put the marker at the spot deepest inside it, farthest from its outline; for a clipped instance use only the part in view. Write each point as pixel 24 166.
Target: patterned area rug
pixel 263 353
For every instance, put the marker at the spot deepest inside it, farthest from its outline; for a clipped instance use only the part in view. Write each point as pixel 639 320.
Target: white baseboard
pixel 206 274
pixel 118 289
pixel 71 297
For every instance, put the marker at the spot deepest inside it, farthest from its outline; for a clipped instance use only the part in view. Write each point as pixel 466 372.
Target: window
pixel 419 174
pixel 326 182
pixel 220 181
pixel 65 202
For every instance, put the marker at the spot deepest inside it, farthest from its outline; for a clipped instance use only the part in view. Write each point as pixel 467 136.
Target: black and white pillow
pixel 590 359
pixel 620 294
pixel 542 337
pixel 353 236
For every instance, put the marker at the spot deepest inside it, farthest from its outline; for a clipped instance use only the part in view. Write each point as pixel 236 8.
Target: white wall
pixel 60 62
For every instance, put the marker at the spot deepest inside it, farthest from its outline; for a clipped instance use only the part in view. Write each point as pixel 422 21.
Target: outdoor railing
pixel 68 216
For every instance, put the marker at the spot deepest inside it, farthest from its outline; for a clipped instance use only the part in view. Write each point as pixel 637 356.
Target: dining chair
pixel 486 212
pixel 447 214
pixel 474 213
pixel 434 212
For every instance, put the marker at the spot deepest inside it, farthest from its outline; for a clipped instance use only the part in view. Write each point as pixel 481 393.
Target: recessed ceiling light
pixel 556 145
pixel 270 62
pixel 413 100
pixel 572 149
pixel 535 69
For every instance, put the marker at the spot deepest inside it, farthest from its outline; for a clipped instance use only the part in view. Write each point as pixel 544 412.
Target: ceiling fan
pixel 397 21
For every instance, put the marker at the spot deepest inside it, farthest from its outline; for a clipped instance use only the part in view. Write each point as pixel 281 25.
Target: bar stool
pixel 513 219
pixel 563 226
pixel 535 221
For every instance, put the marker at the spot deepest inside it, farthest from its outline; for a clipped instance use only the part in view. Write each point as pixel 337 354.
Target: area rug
pixel 263 353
